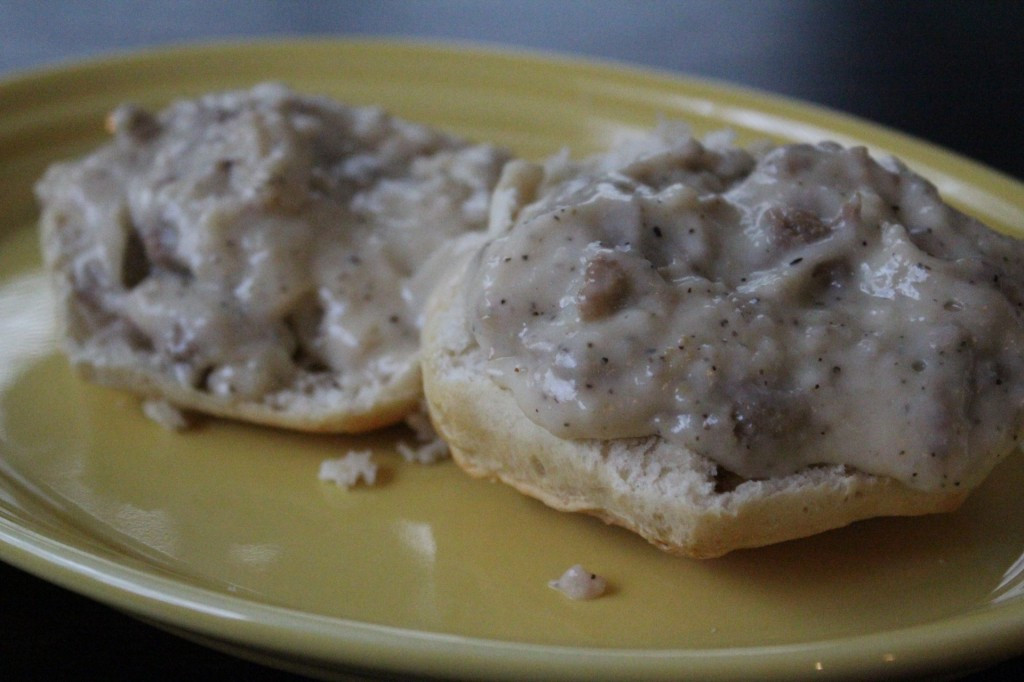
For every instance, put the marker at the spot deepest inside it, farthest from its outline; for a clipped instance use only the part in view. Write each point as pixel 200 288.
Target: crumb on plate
pixel 165 414
pixel 349 469
pixel 579 583
pixel 429 447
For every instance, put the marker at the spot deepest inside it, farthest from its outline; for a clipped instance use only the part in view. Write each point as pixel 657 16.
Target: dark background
pixel 949 72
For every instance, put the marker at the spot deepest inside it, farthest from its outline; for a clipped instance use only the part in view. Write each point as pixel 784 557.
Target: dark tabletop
pixel 951 73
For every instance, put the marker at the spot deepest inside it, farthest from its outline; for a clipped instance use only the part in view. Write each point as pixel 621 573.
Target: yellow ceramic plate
pixel 226 535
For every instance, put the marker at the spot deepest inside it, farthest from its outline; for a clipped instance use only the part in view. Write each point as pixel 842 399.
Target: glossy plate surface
pixel 225 533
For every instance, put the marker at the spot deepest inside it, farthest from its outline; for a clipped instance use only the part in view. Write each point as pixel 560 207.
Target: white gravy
pixel 252 240
pixel 796 306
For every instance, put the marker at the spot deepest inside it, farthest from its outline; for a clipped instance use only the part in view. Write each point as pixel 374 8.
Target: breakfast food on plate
pixel 260 254
pixel 714 347
pixel 722 348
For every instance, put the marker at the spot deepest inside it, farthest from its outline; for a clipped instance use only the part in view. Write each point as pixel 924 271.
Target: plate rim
pixel 963 640
pixel 960 642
